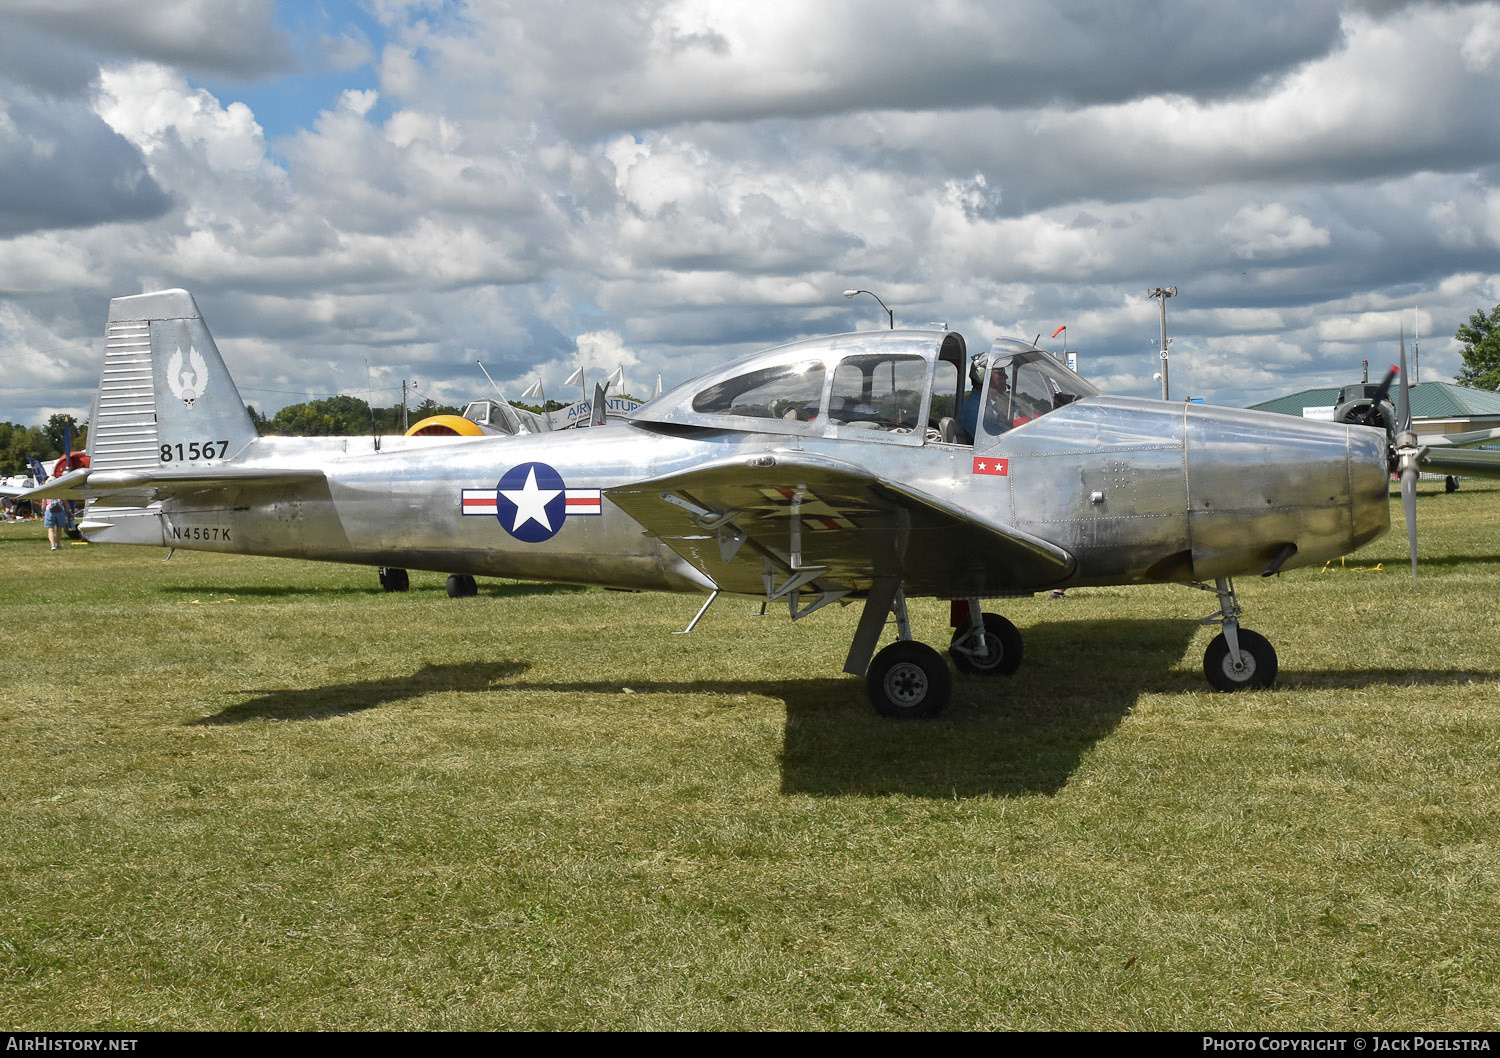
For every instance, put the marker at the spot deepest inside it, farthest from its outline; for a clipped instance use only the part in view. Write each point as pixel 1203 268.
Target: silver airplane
pixel 835 469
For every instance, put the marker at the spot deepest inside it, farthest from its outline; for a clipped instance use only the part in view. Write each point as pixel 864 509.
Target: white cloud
pixel 227 37
pixel 1272 231
pixel 1364 327
pixel 601 352
pixel 156 110
pixel 680 182
pixel 1481 41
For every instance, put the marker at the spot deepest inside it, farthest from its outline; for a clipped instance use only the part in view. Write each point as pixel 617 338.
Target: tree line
pixel 19 442
pixel 339 416
pixel 1481 340
pixel 344 416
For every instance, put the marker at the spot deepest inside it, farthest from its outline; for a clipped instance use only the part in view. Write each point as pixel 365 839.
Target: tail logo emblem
pixel 187 386
pixel 531 502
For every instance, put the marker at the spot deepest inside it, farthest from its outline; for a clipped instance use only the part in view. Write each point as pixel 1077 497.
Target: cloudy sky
pixel 360 191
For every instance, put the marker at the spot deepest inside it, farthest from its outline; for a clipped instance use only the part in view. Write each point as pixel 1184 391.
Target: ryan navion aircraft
pixel 832 469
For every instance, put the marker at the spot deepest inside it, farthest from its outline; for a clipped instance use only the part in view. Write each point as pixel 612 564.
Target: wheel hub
pixel 1244 670
pixel 983 649
pixel 906 684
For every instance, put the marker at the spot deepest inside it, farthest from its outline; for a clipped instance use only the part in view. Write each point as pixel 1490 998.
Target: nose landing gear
pixel 1237 659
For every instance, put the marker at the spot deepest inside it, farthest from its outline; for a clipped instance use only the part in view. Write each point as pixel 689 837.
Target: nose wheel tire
pixel 1000 654
pixel 1257 667
pixel 909 679
pixel 461 586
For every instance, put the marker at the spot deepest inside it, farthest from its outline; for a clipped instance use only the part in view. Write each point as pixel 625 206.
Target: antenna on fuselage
pixel 369 392
pixel 492 382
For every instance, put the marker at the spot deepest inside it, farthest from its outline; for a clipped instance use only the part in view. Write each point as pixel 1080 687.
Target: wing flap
pixel 763 523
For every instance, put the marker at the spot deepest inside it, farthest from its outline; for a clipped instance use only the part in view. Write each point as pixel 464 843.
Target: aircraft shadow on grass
pixel 1016 736
pixel 1021 735
pixel 289 591
pixel 1000 736
pixel 1427 561
pixel 322 703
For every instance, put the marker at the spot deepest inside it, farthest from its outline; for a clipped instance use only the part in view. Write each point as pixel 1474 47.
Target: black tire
pixel 1259 663
pixel 461 586
pixel 1004 649
pixel 394 579
pixel 1450 484
pixel 909 679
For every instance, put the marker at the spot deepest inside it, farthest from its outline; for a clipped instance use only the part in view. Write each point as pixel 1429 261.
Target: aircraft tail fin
pixel 165 399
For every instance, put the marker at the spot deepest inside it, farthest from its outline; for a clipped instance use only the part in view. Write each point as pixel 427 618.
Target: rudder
pixel 165 397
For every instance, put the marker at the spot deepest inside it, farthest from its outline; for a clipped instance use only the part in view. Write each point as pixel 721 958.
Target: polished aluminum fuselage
pixel 1134 490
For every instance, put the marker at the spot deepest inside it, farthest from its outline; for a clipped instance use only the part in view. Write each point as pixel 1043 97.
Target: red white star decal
pixel 999 468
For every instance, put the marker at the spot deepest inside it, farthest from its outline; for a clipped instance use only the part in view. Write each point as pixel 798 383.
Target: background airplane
pixel 827 470
pixel 1410 455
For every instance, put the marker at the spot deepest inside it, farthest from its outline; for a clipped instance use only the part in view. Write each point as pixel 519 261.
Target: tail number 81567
pixel 193 450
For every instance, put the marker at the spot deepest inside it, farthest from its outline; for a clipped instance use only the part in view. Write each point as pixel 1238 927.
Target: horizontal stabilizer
pixel 86 484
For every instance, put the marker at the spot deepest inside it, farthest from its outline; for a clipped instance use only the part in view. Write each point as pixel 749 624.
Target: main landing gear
pixel 911 679
pixel 460 585
pixel 984 644
pixel 394 579
pixel 1237 659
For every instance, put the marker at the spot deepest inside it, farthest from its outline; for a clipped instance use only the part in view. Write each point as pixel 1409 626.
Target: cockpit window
pixel 784 391
pixel 491 414
pixel 1021 386
pixel 878 392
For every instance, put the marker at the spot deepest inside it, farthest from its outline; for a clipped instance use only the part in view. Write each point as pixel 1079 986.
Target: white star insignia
pixel 531 502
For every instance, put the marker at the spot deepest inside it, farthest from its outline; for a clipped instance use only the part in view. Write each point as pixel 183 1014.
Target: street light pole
pixel 888 312
pixel 1163 293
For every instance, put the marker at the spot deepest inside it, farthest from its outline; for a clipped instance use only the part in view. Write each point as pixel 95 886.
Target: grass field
pixel 244 793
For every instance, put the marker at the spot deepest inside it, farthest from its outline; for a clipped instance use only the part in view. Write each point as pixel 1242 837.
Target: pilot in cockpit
pixel 996 416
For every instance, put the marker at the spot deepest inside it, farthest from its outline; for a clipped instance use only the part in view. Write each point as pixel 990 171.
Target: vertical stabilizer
pixel 165 396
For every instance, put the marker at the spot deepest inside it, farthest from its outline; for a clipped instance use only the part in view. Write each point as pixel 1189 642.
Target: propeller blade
pixel 1403 394
pixel 1409 508
pixel 1406 447
pixel 1384 392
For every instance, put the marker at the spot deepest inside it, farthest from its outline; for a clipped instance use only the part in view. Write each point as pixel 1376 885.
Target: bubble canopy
pixel 892 386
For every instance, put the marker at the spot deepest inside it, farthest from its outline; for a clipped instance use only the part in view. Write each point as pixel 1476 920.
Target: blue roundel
pixel 531 502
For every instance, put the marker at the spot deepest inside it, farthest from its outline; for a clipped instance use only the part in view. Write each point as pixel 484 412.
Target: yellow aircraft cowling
pixel 446 426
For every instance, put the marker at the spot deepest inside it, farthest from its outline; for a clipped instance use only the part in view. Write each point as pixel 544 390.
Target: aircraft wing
pixel 135 486
pixel 1455 460
pixel 770 523
pixel 1462 440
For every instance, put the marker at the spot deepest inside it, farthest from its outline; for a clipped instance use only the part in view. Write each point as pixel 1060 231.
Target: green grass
pixel 244 793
